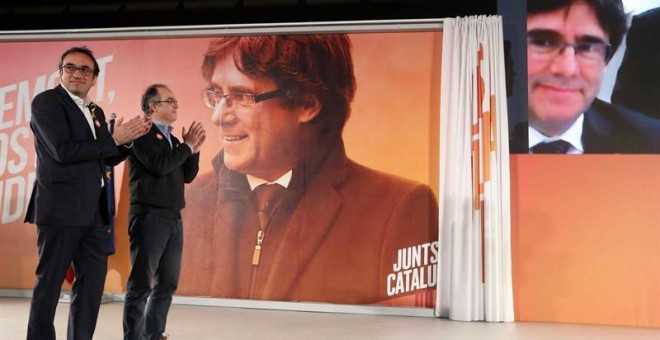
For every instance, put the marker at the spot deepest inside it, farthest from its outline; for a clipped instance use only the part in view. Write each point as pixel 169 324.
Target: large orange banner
pixel 379 249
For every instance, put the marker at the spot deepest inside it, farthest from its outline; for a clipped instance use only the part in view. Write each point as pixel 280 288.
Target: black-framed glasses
pixel 71 69
pixel 546 45
pixel 212 98
pixel 170 101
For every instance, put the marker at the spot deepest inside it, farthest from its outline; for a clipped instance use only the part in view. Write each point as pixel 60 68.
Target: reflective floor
pixel 200 323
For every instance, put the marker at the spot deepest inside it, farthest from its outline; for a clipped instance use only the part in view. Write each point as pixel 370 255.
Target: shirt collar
pixel 283 181
pixel 79 101
pixel 164 128
pixel 573 135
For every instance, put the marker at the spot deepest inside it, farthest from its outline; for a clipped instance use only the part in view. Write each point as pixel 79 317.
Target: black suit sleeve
pixel 114 160
pixel 637 83
pixel 53 125
pixel 190 168
pixel 156 160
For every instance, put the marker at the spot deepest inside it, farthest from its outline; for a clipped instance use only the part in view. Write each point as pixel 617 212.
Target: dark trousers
pixel 156 245
pixel 59 246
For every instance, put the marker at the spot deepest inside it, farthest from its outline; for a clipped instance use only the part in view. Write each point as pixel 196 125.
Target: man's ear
pixel 311 108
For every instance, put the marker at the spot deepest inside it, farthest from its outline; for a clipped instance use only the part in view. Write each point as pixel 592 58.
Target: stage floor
pixel 201 323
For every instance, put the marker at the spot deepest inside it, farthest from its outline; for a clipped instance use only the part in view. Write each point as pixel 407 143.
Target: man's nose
pixel 220 112
pixel 565 62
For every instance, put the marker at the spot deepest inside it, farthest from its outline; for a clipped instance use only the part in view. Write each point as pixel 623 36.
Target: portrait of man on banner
pixel 285 214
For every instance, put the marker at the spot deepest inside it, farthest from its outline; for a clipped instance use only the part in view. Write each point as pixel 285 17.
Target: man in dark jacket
pixel 68 202
pixel 159 167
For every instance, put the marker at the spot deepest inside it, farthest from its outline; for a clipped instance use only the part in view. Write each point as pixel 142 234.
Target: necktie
pixel 268 198
pixel 558 146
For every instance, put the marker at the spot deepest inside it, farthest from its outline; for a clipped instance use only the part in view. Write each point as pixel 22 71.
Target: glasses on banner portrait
pixel 547 45
pixel 71 69
pixel 213 97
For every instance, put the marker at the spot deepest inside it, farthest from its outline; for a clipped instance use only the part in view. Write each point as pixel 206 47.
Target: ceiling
pixel 77 14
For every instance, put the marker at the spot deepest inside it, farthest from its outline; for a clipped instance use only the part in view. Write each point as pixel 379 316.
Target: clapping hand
pixel 133 129
pixel 194 136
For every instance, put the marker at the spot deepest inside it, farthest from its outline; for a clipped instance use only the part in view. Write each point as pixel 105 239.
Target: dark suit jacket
pixel 638 79
pixel 607 128
pixel 335 237
pixel 70 162
pixel 158 173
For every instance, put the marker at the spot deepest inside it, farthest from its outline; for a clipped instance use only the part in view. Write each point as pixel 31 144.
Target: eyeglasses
pixel 212 98
pixel 170 101
pixel 545 45
pixel 71 69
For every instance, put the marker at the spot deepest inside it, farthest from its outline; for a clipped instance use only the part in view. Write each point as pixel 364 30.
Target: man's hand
pixel 133 129
pixel 195 136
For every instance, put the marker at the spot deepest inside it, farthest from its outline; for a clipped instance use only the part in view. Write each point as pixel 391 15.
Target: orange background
pixel 586 238
pixel 585 229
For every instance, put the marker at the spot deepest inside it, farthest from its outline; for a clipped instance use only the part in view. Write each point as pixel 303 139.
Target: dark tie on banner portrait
pixel 268 198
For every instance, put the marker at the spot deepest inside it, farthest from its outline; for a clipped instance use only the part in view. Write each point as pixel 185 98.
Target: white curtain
pixel 475 219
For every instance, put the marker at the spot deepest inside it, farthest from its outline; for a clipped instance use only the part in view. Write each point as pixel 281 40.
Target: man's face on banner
pixel 563 82
pixel 76 82
pixel 261 139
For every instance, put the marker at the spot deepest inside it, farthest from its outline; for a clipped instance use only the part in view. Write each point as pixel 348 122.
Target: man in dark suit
pixel 606 129
pixel 638 79
pixel 68 202
pixel 286 215
pixel 569 43
pixel 159 167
